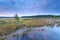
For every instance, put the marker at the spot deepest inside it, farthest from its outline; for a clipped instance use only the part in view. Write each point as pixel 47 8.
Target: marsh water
pixel 38 33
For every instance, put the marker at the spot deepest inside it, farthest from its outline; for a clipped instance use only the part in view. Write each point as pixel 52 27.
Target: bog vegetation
pixel 8 25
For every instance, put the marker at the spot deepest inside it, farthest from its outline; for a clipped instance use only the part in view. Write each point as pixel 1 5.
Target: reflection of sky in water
pixel 47 34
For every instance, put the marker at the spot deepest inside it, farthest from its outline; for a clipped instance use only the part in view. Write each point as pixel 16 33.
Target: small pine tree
pixel 16 18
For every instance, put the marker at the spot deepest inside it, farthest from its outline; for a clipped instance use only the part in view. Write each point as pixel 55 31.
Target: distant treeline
pixel 37 16
pixel 6 17
pixel 42 16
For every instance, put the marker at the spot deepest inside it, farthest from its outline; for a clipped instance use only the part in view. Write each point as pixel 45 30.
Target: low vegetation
pixel 9 25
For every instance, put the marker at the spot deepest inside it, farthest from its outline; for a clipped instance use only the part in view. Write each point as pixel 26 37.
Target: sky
pixel 29 7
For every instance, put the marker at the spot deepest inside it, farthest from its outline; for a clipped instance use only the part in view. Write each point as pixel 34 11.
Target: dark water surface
pixel 38 33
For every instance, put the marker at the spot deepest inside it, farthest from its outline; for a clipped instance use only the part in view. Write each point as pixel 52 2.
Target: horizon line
pixel 21 15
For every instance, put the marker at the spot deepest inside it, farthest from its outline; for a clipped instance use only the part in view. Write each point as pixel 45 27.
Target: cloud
pixel 27 6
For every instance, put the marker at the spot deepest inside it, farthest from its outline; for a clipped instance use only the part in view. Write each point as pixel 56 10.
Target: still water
pixel 38 33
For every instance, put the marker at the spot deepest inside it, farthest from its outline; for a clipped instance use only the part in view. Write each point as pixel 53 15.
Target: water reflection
pixel 39 33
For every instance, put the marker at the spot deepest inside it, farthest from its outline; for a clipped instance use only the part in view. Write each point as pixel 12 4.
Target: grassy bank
pixel 11 25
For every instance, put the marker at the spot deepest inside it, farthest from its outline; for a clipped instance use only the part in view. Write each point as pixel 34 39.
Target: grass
pixel 11 25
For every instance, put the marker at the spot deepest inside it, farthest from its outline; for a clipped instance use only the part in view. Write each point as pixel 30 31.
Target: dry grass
pixel 12 25
pixel 37 22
